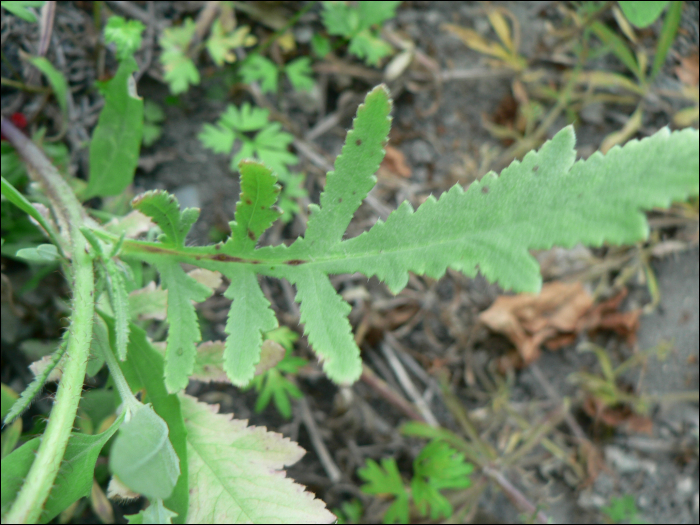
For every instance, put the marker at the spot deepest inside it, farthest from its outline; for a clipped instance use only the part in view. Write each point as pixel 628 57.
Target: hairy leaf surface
pixel 543 200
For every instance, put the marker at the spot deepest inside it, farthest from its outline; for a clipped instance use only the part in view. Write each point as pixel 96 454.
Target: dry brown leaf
pixel 530 320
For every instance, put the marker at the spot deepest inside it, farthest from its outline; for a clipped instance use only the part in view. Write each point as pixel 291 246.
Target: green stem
pixel 70 216
pixel 37 485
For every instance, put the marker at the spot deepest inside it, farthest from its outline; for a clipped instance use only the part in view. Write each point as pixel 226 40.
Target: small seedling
pixel 357 24
pixel 622 510
pixel 437 467
pixel 257 138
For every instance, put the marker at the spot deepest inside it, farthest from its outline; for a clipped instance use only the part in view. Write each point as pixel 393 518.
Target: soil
pixel 441 130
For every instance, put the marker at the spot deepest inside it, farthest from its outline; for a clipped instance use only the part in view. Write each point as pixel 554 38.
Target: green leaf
pixel 260 69
pixel 353 175
pixel 142 456
pixel 116 141
pixel 35 386
pixel 42 254
pixel 250 315
pixel 619 48
pixel 667 36
pixel 340 19
pixel 119 300
pixel 144 368
pixel 438 467
pixel 183 331
pixel 126 35
pixel 20 10
pixel 180 71
pixel 56 79
pixel 372 13
pixel 156 513
pixel 255 211
pixel 642 14
pixel 320 45
pixel 9 397
pixel 386 480
pixel 164 209
pixel 235 472
pixel 221 44
pixel 16 198
pixel 74 479
pixel 543 200
pixel 324 314
pixel 299 73
pixel 369 47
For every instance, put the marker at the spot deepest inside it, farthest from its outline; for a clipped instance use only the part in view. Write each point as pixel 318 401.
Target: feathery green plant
pixel 203 466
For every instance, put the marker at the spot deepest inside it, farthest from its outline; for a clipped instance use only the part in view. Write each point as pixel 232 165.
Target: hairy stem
pixel 70 216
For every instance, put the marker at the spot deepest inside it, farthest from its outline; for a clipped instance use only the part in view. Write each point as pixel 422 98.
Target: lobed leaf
pixel 164 209
pixel 250 315
pixel 125 34
pixel 543 200
pixel 353 175
pixel 255 211
pixel 183 332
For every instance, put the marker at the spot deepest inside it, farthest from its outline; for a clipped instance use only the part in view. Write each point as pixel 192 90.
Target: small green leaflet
pixel 125 35
pixel 385 479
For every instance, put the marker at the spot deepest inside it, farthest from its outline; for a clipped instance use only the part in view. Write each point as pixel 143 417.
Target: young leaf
pixel 126 35
pixel 299 73
pixel 74 478
pixel 258 68
pixel 144 368
pixel 221 45
pixel 249 316
pixel 438 467
pixel 235 472
pixel 58 82
pixel 180 71
pixel 183 332
pixel 120 305
pixel 143 457
pixel 116 141
pixel 255 211
pixel 42 254
pixel 35 386
pixel 386 480
pixel 164 209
